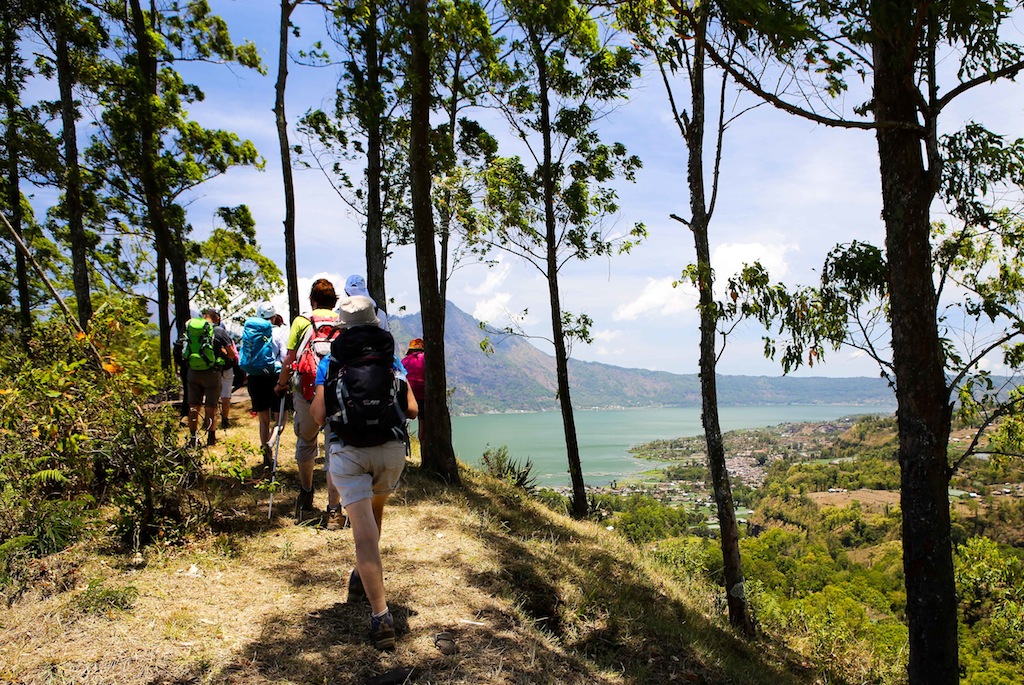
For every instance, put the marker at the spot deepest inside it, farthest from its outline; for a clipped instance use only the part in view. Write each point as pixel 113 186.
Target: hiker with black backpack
pixel 365 401
pixel 260 358
pixel 204 354
pixel 308 341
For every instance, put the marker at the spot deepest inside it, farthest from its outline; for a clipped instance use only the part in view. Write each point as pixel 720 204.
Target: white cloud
pixel 658 298
pixel 728 259
pixel 496 276
pixel 493 310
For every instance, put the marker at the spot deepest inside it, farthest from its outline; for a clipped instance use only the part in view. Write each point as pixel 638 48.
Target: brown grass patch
pixel 873 501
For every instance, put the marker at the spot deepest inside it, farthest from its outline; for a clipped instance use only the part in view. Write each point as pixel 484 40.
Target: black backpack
pixel 361 391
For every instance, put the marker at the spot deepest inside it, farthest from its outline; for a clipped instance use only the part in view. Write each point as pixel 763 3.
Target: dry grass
pixel 531 597
pixel 872 501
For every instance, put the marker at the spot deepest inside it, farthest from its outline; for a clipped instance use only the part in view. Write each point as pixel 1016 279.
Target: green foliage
pixel 73 436
pixel 228 267
pixel 497 462
pixel 98 599
pixel 989 586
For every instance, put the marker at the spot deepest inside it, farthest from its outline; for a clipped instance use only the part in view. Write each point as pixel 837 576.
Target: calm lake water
pixel 605 436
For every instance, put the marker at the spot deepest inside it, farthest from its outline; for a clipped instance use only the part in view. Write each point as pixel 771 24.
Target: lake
pixel 605 436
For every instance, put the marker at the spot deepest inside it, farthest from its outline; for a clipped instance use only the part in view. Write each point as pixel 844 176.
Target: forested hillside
pixel 510 374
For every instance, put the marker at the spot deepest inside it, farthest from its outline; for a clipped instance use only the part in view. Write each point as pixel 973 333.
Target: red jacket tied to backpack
pixel 315 345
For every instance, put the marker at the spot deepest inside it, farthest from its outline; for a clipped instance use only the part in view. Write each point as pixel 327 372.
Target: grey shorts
pixel 227 378
pixel 203 387
pixel 361 472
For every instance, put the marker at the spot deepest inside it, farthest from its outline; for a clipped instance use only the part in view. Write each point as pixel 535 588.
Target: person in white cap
pixel 366 457
pixel 355 286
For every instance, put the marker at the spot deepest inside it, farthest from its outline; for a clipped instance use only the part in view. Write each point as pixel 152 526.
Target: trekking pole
pixel 277 445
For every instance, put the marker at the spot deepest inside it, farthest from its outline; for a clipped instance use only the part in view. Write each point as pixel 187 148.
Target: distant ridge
pixel 518 377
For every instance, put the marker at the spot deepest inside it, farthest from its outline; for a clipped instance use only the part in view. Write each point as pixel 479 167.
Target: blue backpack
pixel 257 355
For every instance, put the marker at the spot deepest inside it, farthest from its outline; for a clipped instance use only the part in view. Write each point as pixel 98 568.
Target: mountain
pixel 517 376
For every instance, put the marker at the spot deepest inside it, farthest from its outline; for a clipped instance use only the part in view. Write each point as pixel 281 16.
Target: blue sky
pixel 790 191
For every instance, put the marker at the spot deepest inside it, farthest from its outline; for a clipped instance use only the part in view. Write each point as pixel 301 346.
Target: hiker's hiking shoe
pixel 211 439
pixel 356 593
pixel 224 422
pixel 267 469
pixel 382 631
pixel 303 503
pixel 335 519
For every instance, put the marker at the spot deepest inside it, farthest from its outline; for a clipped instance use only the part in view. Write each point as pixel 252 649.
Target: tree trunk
pixel 80 247
pixel 735 594
pixel 438 455
pixel 572 447
pixel 168 242
pixel 163 300
pixel 923 413
pixel 11 139
pixel 375 260
pixel 291 269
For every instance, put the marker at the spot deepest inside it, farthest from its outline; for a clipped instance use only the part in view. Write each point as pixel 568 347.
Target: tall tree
pixel 900 44
pixel 71 27
pixel 291 269
pixel 437 455
pixel 12 19
pixel 551 214
pixel 368 129
pixel 150 153
pixel 657 29
pixel 465 56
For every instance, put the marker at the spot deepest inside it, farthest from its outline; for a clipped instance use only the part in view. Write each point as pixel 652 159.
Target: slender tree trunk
pixel 168 242
pixel 163 309
pixel 923 413
pixel 445 211
pixel 291 269
pixel 739 614
pixel 375 259
pixel 438 455
pixel 572 447
pixel 72 172
pixel 13 144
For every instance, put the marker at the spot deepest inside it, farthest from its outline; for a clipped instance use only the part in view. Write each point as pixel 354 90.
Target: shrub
pixel 74 436
pixel 498 463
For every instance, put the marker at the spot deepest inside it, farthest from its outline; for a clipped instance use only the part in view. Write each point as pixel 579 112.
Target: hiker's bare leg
pixel 264 419
pixel 333 496
pixel 366 535
pixel 225 408
pixel 377 503
pixel 307 432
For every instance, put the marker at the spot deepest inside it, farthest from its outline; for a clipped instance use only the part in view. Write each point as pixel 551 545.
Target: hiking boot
pixel 356 593
pixel 335 519
pixel 303 503
pixel 382 632
pixel 224 422
pixel 193 440
pixel 268 460
pixel 211 439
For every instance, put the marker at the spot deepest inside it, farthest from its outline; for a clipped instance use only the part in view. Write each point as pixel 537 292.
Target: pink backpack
pixel 413 364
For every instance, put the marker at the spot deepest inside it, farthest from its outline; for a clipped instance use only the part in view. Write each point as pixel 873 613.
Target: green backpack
pixel 198 351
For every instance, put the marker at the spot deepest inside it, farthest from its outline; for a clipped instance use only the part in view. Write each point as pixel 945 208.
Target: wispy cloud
pixel 496 276
pixel 659 297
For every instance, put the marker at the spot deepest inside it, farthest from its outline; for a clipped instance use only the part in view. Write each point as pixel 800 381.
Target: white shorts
pixel 361 472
